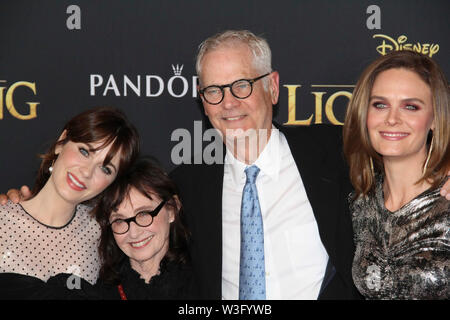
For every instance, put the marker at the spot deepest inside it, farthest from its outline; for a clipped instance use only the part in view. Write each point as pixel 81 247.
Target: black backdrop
pixel 53 57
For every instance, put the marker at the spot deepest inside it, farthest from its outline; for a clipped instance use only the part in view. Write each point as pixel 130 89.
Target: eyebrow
pixel 92 149
pixel 118 215
pixel 112 165
pixel 406 100
pixel 115 215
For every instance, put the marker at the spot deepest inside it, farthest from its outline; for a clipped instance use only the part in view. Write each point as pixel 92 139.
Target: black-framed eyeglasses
pixel 240 89
pixel 142 219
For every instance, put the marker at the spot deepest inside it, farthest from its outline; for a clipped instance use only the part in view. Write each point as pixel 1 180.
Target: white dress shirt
pixel 295 258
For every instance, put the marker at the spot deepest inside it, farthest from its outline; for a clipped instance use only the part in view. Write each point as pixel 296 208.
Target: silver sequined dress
pixel 403 254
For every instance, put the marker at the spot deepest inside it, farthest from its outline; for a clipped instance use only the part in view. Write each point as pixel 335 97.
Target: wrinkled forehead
pixel 232 45
pixel 226 64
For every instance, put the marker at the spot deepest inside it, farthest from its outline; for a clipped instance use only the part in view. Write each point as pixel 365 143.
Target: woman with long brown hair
pixel 53 231
pixel 396 141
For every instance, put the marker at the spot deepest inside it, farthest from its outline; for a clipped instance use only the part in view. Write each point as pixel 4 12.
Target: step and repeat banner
pixel 58 58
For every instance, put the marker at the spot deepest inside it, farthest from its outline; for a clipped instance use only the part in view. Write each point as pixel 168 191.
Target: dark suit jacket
pixel 317 151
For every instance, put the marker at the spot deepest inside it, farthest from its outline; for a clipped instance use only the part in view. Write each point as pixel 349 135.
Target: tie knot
pixel 252 173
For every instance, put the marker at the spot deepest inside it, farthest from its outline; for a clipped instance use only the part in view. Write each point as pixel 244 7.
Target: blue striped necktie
pixel 252 275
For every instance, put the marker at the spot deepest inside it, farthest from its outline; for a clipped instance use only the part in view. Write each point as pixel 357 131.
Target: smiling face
pixel 400 115
pixel 225 65
pixel 79 173
pixel 149 244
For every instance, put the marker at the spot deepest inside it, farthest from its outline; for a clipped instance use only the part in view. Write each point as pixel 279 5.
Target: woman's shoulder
pixel 11 207
pixel 84 209
pixel 438 205
pixel 85 217
pixel 10 210
pixel 358 203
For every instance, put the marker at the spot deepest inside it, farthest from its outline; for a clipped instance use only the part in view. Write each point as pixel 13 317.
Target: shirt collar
pixel 269 161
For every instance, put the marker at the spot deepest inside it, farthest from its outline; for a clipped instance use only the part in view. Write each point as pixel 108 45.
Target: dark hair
pixel 357 146
pixel 148 178
pixel 102 124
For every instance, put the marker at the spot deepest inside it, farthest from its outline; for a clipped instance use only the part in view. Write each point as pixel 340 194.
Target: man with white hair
pixel 297 188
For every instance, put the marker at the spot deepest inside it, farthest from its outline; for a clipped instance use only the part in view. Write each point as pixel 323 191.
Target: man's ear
pixel 203 100
pixel 274 86
pixel 59 146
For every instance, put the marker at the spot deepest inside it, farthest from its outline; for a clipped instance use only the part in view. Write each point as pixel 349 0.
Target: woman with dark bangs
pixel 144 242
pixel 53 231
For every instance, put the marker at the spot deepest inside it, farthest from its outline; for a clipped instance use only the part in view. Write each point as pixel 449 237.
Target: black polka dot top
pixel 32 248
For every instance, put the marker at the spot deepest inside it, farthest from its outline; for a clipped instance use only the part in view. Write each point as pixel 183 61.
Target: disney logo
pixel 400 44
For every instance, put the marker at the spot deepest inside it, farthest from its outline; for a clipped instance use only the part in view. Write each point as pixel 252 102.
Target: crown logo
pixel 177 69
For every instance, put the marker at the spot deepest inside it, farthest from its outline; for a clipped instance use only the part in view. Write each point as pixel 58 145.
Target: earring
pixel 50 169
pixel 371 166
pixel 429 156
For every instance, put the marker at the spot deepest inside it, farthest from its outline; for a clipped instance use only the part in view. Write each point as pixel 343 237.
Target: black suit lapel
pixel 210 208
pixel 318 176
pixel 318 156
